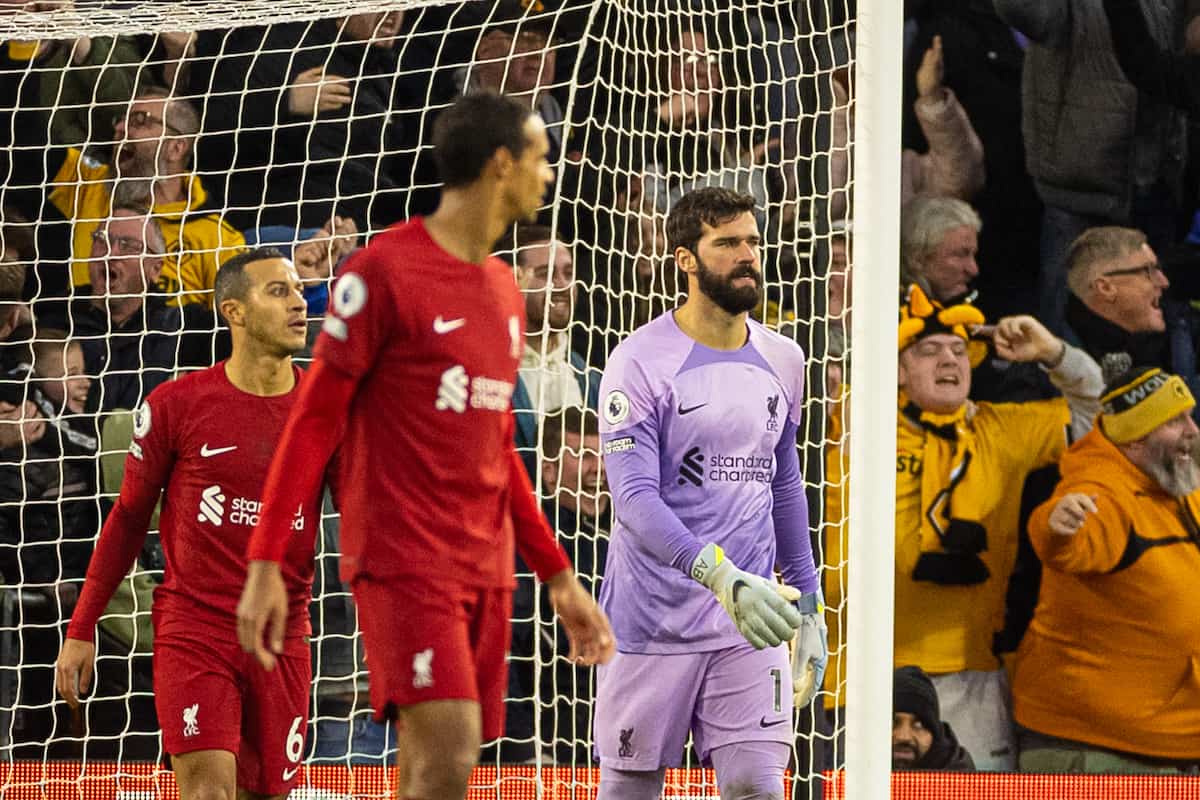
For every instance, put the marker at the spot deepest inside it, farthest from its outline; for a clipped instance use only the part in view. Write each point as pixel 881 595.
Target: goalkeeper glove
pixel 761 609
pixel 810 651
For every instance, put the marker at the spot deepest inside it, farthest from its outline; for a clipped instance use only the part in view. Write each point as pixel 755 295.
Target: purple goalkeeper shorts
pixel 647 703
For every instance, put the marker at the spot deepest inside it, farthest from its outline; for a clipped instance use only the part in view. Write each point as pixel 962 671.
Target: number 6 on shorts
pixel 295 741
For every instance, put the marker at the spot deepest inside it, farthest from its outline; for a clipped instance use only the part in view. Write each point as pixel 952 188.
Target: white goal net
pixel 306 126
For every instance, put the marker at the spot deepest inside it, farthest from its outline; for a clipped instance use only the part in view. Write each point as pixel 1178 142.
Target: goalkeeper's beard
pixel 720 289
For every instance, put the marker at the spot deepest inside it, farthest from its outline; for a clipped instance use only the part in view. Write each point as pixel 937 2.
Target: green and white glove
pixel 810 650
pixel 762 609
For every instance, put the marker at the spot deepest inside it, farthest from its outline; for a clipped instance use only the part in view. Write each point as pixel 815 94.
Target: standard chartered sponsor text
pixel 740 469
pixel 245 511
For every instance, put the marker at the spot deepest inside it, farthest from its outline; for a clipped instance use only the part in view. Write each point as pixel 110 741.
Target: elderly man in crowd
pixel 132 340
pixel 939 239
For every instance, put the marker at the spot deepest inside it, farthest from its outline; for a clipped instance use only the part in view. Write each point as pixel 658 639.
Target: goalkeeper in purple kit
pixel 700 409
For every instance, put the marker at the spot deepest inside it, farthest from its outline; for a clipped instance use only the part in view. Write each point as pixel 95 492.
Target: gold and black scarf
pixel 952 537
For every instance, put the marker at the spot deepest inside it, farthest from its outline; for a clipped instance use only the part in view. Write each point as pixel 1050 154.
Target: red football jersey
pixel 209 444
pixel 425 463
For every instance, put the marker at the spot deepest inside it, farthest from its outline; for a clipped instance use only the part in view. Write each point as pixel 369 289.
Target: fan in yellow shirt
pixel 150 167
pixel 960 467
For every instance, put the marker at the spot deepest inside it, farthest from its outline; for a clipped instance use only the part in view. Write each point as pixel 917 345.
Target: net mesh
pixel 57 20
pixel 306 125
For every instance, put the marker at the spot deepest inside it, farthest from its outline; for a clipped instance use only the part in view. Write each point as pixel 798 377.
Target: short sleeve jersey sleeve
pixel 362 314
pixel 152 451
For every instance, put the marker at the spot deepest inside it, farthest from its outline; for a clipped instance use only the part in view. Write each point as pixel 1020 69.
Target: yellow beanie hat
pixel 1143 401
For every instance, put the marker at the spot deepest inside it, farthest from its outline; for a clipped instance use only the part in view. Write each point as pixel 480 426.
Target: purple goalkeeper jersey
pixel 699 446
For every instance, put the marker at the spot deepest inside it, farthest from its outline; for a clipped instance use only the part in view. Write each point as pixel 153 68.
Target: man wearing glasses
pixel 131 338
pixel 150 165
pixel 1117 303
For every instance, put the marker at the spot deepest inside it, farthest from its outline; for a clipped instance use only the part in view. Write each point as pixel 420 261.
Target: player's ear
pixel 501 162
pixel 233 311
pixel 685 259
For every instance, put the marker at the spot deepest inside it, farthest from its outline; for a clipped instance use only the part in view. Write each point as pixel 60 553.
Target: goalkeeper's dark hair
pixel 231 281
pixel 569 419
pixel 710 206
pixel 468 133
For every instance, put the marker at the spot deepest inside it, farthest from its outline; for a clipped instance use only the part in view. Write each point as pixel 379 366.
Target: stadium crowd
pixel 1047 515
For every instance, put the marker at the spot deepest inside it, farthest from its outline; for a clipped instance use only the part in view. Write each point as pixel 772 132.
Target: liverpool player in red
pixel 413 374
pixel 207 440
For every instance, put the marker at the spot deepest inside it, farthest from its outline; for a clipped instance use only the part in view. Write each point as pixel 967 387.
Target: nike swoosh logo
pixel 683 410
pixel 288 774
pixel 208 452
pixel 762 723
pixel 446 325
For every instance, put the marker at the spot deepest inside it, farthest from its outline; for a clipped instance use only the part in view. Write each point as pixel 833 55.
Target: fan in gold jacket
pixel 1112 656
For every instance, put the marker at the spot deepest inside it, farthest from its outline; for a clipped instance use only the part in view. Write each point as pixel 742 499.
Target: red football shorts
pixel 428 641
pixel 211 696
